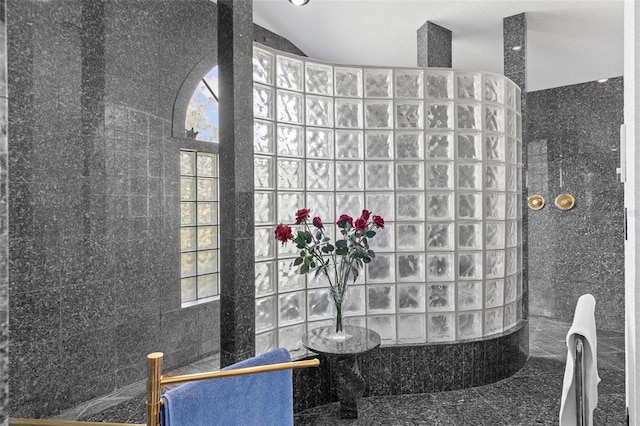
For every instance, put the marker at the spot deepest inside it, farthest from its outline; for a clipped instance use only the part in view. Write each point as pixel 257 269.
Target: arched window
pixel 201 122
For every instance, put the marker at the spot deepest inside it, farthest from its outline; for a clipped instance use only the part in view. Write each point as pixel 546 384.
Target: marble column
pixel 434 46
pixel 237 289
pixel 515 67
pixel 4 229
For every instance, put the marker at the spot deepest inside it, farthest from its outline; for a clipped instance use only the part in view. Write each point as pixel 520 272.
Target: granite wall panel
pixel 573 148
pixel 4 226
pixel 434 46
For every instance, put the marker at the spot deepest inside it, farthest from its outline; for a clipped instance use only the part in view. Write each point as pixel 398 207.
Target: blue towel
pixel 253 399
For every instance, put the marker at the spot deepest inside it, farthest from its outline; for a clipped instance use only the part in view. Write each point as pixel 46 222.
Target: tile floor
pixel 530 397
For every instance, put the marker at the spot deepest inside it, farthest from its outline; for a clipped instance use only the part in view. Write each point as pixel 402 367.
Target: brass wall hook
pixel 565 201
pixel 535 202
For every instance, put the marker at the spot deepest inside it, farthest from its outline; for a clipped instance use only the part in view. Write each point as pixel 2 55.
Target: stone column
pixel 235 82
pixel 434 46
pixel 4 229
pixel 515 67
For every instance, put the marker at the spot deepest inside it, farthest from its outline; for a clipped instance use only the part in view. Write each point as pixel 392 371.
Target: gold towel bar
pixel 51 422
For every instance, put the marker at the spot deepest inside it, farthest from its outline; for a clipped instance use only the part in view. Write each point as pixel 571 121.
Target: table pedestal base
pixel 351 385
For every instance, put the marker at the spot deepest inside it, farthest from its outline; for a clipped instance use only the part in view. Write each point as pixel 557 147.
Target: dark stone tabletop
pixel 359 340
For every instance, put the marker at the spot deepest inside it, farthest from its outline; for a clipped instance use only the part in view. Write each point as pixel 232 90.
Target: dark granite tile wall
pixel 434 46
pixel 4 229
pixel 573 148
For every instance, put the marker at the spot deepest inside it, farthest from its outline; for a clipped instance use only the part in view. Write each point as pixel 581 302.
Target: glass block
pixel 519 130
pixel 266 342
pixel 511 94
pixel 381 299
pixel 519 183
pixel 290 141
pixel 495 148
pixel 384 240
pixel 409 175
pixel 511 178
pixel 319 111
pixel 319 143
pixel 511 150
pixel 495 264
pixel 410 206
pixel 289 73
pixel 511 262
pixel 440 267
pixel 494 118
pixel 511 126
pixel 290 174
pixel 348 113
pixel 495 206
pixel 469 295
pixel 493 321
pixel 348 82
pixel 265 278
pixel 470 176
pixel 288 204
pixel 494 293
pixel 188 290
pixel 440 236
pixel 512 234
pixel 188 264
pixel 409 145
pixel 410 236
pixel 439 145
pixel 470 265
pixel 321 204
pixel 495 235
pixel 510 290
pixel 519 286
pixel 469 325
pixel 319 304
pixel 440 116
pixel 289 277
pixel 439 84
pixel 207 261
pixel 409 115
pixel 440 176
pixel 188 239
pixel 187 214
pixel 354 303
pixel 207 189
pixel 264 208
pixel 512 206
pixel 494 177
pixel 510 318
pixel 319 175
pixel 381 204
pixel 411 329
pixel 381 269
pixel 349 145
pixel 290 338
pixel 377 83
pixel 411 267
pixel 264 243
pixel 207 237
pixel 469 86
pixel 207 213
pixel 378 114
pixel 187 163
pixel 379 145
pixel 408 84
pixel 379 176
pixel 262 66
pixel 440 327
pixel 385 326
pixel 470 236
pixel 493 88
pixel 262 102
pixel 410 297
pixel 349 203
pixel 263 137
pixel 265 313
pixel 290 109
pixel 319 78
pixel 207 165
pixel 263 172
pixel 187 189
pixel 469 116
pixel 470 146
pixel 440 206
pixel 441 297
pixel 349 176
pixel 207 285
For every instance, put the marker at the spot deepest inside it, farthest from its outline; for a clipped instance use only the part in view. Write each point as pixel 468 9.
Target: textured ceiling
pixel 568 42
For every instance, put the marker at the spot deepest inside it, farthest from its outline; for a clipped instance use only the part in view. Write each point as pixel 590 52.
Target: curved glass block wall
pixel 436 152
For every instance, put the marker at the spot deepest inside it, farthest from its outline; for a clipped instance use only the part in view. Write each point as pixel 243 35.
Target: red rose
pixel 317 222
pixel 365 214
pixel 378 221
pixel 283 233
pixel 361 225
pixel 301 215
pixel 344 219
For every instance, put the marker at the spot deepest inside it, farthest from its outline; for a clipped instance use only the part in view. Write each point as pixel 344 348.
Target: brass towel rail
pixel 578 378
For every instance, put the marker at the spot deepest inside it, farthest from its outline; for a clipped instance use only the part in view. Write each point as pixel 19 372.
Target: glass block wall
pixel 436 152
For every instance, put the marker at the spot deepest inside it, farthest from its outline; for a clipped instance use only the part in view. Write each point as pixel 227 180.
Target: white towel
pixel 584 323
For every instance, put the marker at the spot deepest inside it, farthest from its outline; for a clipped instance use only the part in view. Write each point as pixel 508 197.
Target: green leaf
pixel 298 261
pixel 370 234
pixel 366 259
pixel 341 251
pixel 341 244
pixel 304 269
